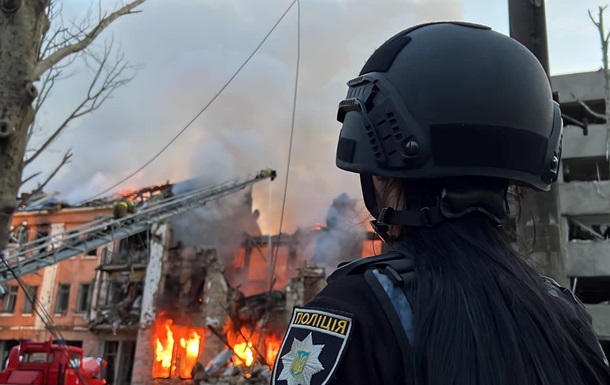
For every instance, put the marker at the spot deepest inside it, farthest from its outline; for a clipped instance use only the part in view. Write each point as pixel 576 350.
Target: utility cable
pixel 200 112
pixel 290 142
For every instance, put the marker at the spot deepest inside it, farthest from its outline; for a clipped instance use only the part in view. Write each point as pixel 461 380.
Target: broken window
pixel 586 169
pixel 113 295
pixel 578 230
pixel 133 249
pixel 92 253
pixel 592 290
pixel 82 304
pixel 62 301
pixel 30 300
pixel 10 299
pixel 42 231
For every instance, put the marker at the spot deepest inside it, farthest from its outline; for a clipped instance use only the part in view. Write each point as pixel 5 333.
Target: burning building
pixel 200 296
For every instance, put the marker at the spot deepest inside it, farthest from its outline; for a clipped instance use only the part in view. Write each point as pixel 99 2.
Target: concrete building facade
pixel 584 192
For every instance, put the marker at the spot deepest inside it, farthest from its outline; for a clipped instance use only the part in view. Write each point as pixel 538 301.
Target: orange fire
pixel 250 346
pixel 125 192
pixel 318 226
pixel 175 359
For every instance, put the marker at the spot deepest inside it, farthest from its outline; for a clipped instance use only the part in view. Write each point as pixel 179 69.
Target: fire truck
pixel 46 363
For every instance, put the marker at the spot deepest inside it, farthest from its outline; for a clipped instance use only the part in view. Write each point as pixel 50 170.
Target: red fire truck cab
pixel 46 363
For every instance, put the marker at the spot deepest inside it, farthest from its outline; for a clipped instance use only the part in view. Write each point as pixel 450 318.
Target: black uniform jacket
pixel 343 337
pixel 364 352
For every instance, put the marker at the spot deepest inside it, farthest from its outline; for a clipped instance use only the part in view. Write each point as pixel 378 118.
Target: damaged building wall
pixel 158 245
pixel 215 305
pixel 584 187
pixel 310 281
pixel 144 349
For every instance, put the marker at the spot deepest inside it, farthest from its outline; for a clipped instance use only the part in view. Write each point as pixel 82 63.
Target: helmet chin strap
pixel 454 202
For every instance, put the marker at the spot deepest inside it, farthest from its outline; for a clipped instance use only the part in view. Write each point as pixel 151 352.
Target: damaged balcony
pixel 119 303
pixel 586 187
pixel 119 285
pixel 588 249
pixel 129 254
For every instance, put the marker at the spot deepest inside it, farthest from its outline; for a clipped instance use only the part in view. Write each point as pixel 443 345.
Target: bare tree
pixel 604 38
pixel 37 48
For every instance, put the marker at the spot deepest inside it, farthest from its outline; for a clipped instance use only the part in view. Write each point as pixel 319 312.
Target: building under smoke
pixel 203 295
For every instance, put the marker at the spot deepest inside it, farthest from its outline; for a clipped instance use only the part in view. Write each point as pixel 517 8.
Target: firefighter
pixel 22 233
pixel 123 208
pixel 441 120
pixel 269 173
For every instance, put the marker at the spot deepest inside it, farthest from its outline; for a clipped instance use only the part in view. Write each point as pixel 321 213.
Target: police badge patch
pixel 312 348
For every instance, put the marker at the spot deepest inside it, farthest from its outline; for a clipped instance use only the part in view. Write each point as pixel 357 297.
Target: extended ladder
pixel 35 255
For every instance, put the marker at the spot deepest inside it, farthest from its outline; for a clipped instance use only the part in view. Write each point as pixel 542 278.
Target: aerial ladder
pixel 46 251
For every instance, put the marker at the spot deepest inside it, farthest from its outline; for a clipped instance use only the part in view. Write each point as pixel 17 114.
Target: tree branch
pixel 107 78
pixel 29 178
pixel 82 43
pixel 65 160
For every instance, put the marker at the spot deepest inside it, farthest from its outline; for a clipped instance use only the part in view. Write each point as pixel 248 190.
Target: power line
pixel 294 109
pixel 131 175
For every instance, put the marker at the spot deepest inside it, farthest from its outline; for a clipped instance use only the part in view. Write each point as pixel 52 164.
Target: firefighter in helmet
pixel 441 122
pixel 268 173
pixel 123 208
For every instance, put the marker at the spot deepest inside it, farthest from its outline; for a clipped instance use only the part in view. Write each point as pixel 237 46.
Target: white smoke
pixel 187 49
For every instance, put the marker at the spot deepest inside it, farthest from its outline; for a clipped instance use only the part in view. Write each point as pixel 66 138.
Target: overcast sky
pixel 187 49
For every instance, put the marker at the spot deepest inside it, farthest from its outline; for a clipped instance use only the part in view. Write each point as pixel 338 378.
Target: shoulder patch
pixel 312 348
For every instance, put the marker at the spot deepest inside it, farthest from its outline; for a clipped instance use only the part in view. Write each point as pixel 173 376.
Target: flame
pixel 164 352
pixel 318 226
pixel 191 348
pixel 252 346
pixel 173 358
pixel 244 354
pixel 126 194
pixel 273 348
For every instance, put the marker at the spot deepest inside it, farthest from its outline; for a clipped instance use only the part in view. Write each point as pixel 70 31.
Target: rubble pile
pixel 222 370
pixel 264 314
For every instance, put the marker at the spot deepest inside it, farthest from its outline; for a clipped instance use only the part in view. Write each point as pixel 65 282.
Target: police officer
pixel 441 121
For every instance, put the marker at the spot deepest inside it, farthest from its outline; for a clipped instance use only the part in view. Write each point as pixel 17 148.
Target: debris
pixel 219 363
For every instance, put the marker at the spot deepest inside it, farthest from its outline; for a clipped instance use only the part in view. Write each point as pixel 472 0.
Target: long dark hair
pixel 482 315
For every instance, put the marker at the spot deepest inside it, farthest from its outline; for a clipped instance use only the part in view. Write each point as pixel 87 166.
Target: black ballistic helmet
pixel 446 100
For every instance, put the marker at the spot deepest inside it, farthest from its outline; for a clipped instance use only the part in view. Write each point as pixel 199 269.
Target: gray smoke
pixel 186 50
pixel 219 225
pixel 341 239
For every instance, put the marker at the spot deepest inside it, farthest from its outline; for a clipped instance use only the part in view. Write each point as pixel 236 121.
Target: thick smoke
pixel 219 225
pixel 341 239
pixel 186 50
